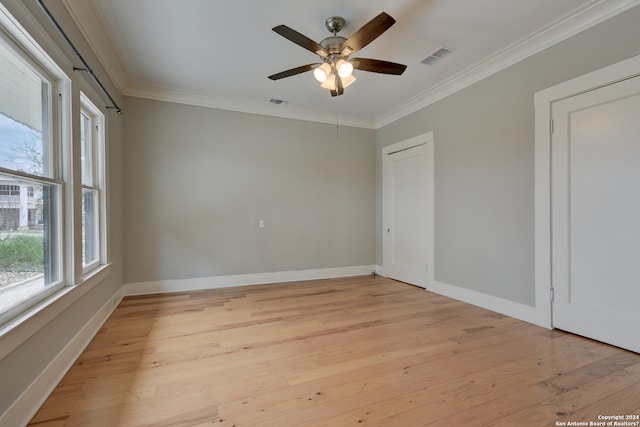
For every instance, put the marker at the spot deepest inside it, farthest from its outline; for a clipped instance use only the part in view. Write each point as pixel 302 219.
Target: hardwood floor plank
pixel 567 403
pixel 431 399
pixel 616 403
pixel 490 411
pixel 339 352
pixel 582 375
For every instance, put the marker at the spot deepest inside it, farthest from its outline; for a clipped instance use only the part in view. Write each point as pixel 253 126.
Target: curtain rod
pixel 84 63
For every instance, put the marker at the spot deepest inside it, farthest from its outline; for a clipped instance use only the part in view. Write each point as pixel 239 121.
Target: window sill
pixel 19 329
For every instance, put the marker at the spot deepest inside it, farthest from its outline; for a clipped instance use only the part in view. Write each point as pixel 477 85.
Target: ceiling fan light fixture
pixel 330 82
pixel 344 68
pixel 322 72
pixel 346 81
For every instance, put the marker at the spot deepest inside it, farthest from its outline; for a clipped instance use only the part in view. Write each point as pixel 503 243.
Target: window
pixel 30 183
pixel 9 190
pixel 52 180
pixel 92 171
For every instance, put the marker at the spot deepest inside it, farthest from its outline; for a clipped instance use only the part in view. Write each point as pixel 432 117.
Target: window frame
pixel 52 168
pixel 98 181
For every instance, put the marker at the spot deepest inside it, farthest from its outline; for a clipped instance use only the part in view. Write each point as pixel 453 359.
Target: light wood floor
pixel 340 352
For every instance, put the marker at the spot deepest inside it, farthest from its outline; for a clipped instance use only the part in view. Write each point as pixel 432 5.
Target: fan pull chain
pixel 337 126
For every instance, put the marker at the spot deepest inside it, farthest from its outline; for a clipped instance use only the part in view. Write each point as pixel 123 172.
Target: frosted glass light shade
pixel 344 68
pixel 330 82
pixel 346 81
pixel 322 72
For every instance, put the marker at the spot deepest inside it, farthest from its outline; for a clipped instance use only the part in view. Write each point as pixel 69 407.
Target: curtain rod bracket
pixel 118 110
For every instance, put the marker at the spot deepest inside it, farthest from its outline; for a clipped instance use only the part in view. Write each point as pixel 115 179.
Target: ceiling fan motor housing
pixel 333 44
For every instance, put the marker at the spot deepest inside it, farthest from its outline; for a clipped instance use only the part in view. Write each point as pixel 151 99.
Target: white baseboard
pixel 217 282
pixel 509 308
pixel 379 270
pixel 537 315
pixel 26 406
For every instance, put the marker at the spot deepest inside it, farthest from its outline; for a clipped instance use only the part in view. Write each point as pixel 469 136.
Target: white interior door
pixel 595 205
pixel 408 211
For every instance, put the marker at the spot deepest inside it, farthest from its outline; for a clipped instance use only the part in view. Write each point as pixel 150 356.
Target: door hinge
pixel 553 296
pixel 551 127
pixel 426 268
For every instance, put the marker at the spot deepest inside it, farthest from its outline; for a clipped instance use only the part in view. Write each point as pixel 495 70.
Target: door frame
pixel 543 101
pixel 427 140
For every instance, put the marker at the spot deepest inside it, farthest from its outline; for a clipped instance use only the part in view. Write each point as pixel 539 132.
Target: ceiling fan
pixel 335 70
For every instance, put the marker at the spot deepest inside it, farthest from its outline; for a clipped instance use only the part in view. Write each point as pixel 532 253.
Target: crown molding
pixel 84 15
pixel 244 106
pixel 579 20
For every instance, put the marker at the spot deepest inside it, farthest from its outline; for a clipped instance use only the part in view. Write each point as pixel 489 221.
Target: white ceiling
pixel 219 53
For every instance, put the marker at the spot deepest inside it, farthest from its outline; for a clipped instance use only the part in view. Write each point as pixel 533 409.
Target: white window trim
pixel 97 117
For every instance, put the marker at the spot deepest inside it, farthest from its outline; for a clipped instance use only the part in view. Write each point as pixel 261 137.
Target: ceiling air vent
pixel 436 56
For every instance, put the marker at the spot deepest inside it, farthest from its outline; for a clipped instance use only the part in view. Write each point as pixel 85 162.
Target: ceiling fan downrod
pixel 333 43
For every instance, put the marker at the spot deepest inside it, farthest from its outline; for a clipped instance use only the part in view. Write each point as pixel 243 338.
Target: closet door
pixel 408 212
pixel 595 188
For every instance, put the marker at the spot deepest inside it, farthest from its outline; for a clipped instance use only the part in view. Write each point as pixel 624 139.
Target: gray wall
pixel 22 366
pixel 484 161
pixel 199 179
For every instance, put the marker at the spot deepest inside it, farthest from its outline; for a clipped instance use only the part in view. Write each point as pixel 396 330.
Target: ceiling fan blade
pixel 368 33
pixel 301 40
pixel 378 66
pixel 334 92
pixel 293 71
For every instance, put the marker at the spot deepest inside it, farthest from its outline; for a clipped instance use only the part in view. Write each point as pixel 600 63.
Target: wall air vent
pixel 436 56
